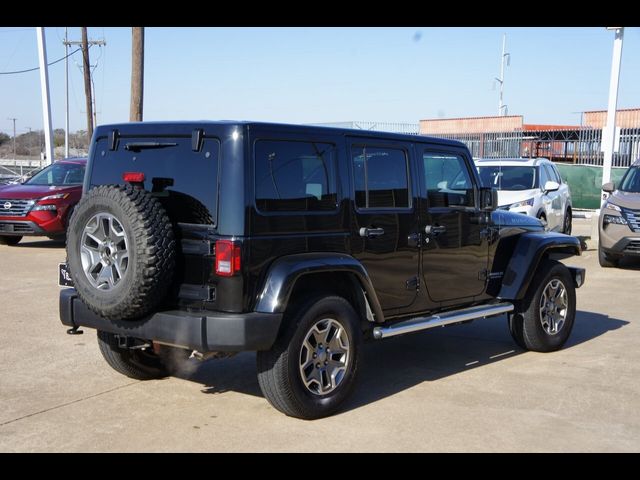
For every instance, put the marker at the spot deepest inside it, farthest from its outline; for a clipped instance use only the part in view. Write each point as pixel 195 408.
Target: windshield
pixel 508 177
pixel 59 174
pixel 631 181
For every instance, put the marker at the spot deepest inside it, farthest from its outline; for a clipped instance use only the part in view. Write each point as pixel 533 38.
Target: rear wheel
pixel 312 367
pixel 606 260
pixel 9 240
pixel 566 229
pixel 545 318
pixel 141 364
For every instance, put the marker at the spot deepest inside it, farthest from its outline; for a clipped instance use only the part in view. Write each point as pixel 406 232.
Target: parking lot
pixel 463 388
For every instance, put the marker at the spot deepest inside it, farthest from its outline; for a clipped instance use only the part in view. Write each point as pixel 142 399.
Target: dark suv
pixel 299 243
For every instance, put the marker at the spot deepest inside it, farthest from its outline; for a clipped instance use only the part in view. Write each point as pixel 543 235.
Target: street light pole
pixel 608 134
pixel 66 86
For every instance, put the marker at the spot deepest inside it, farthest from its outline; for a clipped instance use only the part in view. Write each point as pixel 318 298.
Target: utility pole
pixel 137 73
pixel 66 88
pixel 14 137
pixel 502 109
pixel 85 43
pixel 608 134
pixel 87 81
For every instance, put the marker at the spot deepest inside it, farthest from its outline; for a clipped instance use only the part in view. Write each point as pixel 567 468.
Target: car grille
pixel 16 227
pixel 633 218
pixel 633 247
pixel 15 208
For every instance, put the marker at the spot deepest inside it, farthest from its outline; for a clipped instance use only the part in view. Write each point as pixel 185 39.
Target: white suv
pixel 532 186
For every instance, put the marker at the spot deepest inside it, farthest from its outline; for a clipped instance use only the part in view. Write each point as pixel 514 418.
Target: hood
pixel 20 191
pixel 626 199
pixel 507 197
pixel 504 218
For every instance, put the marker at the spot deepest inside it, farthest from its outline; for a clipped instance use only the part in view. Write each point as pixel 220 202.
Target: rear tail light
pixel 227 258
pixel 133 177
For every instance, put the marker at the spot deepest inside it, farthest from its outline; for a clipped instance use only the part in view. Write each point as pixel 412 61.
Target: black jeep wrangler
pixel 298 242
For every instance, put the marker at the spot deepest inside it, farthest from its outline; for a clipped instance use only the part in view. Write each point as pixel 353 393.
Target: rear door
pixel 384 228
pixel 455 249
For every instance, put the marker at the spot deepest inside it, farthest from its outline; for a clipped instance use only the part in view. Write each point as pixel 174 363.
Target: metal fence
pixel 394 127
pixel 579 146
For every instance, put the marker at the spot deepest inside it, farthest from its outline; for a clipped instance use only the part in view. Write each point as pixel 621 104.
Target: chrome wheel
pixel 104 251
pixel 324 356
pixel 553 306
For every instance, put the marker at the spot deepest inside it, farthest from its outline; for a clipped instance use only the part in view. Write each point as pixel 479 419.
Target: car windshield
pixel 59 174
pixel 631 181
pixel 508 177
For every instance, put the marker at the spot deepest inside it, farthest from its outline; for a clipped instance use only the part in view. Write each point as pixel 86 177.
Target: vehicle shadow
pixel 629 263
pixel 45 243
pixel 391 366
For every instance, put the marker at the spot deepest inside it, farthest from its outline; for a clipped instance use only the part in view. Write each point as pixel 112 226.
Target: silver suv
pixel 619 224
pixel 531 186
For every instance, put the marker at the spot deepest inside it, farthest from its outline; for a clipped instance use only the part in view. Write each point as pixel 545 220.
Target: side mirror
pixel 551 186
pixel 609 187
pixel 488 199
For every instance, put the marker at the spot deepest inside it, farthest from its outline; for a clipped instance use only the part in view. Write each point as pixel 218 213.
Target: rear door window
pixel 381 177
pixel 295 176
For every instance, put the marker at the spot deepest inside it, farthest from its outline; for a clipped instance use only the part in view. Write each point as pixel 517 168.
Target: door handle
pixel 434 229
pixel 371 232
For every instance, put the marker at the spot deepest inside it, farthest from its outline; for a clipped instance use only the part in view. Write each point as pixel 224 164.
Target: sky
pixel 317 75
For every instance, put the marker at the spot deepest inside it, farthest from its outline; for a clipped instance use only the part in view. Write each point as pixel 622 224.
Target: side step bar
pixel 423 323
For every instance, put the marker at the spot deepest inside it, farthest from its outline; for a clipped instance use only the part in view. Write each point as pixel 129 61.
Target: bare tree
pixel 137 73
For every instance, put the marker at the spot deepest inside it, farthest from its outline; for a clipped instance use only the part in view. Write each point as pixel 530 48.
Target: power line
pixel 38 68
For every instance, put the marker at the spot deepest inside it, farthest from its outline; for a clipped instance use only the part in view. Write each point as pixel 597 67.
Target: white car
pixel 532 186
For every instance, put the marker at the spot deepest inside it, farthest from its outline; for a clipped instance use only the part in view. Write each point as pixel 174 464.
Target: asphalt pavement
pixel 466 388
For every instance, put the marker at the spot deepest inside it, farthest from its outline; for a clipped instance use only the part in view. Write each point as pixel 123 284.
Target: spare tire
pixel 121 251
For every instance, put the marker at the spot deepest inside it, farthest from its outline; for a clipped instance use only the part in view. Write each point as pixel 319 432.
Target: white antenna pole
pixel 502 108
pixel 610 128
pixel 44 85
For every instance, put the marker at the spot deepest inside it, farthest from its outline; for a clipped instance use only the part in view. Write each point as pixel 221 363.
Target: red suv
pixel 41 205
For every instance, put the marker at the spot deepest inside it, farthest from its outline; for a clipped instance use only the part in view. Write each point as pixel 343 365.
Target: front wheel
pixel 545 319
pixel 312 367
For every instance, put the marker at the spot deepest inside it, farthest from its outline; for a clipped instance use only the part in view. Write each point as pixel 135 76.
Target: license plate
pixel 64 275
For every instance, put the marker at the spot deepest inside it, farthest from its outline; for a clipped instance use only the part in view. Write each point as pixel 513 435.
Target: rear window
pixel 186 182
pixel 292 176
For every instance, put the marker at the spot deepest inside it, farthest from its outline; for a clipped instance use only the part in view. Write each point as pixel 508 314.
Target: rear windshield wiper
pixel 137 146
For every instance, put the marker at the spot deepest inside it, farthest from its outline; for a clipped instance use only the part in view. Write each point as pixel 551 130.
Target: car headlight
pixel 524 203
pixel 43 207
pixel 607 219
pixel 57 196
pixel 612 206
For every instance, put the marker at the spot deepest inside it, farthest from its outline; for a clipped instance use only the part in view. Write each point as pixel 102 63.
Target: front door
pixel 455 249
pixel 384 228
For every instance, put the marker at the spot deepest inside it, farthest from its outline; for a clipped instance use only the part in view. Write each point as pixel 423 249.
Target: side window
pixel 447 180
pixel 380 177
pixel 556 174
pixel 544 175
pixel 293 176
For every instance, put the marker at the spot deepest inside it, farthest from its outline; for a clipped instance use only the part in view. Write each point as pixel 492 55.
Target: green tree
pixel 4 138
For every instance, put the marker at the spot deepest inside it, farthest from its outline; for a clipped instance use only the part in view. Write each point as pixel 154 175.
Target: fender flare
pixel 529 250
pixel 283 274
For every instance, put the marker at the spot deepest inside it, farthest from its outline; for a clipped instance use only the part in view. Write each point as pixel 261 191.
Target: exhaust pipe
pixel 456 316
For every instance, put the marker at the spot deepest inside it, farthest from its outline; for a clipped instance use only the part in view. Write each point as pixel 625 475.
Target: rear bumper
pixel 206 332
